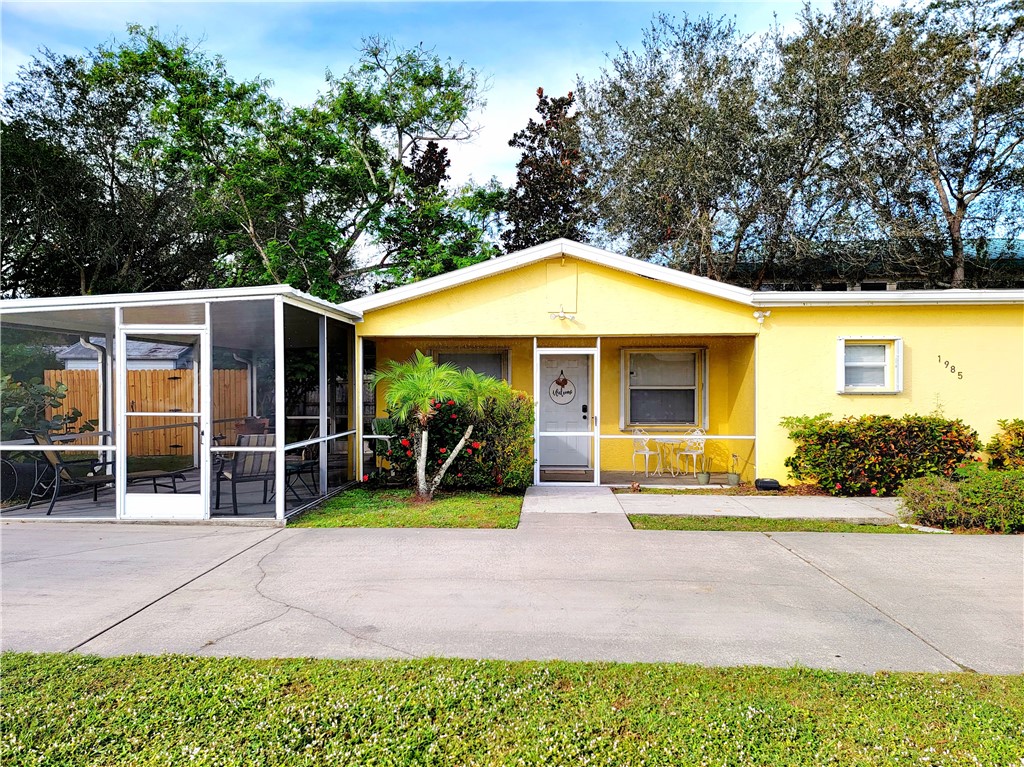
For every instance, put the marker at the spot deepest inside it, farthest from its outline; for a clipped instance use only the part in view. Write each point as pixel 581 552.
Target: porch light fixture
pixel 561 315
pixel 761 317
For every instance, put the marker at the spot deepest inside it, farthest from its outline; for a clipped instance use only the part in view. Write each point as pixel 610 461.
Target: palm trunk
pixel 422 489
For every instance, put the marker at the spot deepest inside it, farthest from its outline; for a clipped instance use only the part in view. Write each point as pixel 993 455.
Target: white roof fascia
pixel 109 301
pixel 781 299
pixel 553 249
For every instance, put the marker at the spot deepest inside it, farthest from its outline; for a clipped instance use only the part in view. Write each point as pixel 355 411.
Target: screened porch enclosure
pixel 229 403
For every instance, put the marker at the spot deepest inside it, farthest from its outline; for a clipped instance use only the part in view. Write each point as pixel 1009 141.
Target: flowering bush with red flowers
pixel 875 454
pixel 500 456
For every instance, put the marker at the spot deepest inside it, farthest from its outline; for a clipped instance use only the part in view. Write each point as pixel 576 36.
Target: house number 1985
pixel 951 368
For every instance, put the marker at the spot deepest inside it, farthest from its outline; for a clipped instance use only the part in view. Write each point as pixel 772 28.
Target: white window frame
pixel 505 372
pixel 893 346
pixel 700 387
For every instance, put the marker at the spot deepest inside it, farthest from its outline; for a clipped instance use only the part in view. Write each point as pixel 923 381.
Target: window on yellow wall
pixel 662 387
pixel 493 363
pixel 869 365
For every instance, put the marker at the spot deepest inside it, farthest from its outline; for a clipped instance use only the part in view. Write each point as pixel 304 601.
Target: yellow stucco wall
pixel 519 303
pixel 795 350
pixel 730 386
pixel 797 367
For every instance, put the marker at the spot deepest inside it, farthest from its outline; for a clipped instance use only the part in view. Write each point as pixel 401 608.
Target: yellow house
pixel 607 345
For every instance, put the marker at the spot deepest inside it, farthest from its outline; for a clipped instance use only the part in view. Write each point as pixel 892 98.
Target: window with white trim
pixel 662 387
pixel 493 363
pixel 869 365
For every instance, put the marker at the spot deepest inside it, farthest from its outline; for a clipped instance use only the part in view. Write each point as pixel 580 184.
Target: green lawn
pixel 396 508
pixel 758 525
pixel 174 710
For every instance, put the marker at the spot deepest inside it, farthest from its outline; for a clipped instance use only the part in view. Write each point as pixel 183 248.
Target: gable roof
pixel 664 274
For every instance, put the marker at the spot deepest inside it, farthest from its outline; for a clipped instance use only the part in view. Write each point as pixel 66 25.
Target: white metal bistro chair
pixel 691 445
pixel 641 448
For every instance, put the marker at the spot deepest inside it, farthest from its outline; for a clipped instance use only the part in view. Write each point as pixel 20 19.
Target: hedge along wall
pixel 874 455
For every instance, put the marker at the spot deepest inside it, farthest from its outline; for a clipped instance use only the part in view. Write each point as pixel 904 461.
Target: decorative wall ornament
pixel 562 391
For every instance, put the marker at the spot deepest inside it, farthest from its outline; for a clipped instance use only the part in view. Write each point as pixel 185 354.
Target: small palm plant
pixel 413 390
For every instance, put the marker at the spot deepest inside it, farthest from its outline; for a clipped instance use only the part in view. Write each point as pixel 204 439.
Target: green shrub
pixel 930 501
pixel 497 457
pixel 1006 449
pixel 990 500
pixel 875 454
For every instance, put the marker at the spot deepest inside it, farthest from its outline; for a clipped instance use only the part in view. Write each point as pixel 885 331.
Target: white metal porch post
pixel 121 420
pixel 536 414
pixel 324 399
pixel 357 403
pixel 206 427
pixel 279 405
pixel 596 408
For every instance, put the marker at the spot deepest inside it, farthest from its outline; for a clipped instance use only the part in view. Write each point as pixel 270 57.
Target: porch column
pixel 536 414
pixel 357 403
pixel 279 409
pixel 323 446
pixel 596 410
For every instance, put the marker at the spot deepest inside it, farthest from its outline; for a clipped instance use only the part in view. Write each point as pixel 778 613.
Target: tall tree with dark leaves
pixel 551 198
pixel 88 204
pixel 429 230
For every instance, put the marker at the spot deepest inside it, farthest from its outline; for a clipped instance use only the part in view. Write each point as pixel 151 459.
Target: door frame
pixel 594 354
pixel 194 509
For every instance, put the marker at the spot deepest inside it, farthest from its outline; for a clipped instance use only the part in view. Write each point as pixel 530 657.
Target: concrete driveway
pixel 843 601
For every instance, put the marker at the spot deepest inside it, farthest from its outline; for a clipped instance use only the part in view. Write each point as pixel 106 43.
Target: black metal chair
pixel 242 467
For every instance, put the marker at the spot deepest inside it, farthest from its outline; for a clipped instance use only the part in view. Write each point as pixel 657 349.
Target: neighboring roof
pixel 137 350
pixel 768 299
pixel 290 294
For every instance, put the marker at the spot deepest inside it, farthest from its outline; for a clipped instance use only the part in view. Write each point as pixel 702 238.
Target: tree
pixel 551 197
pixel 864 142
pixel 428 230
pixel 87 206
pixel 413 390
pixel 669 133
pixel 941 137
pixel 297 189
pixel 180 174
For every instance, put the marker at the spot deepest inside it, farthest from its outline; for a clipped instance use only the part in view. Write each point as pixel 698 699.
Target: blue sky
pixel 517 46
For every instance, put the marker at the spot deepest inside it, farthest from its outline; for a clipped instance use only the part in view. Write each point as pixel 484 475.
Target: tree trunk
pixel 956 241
pixel 422 488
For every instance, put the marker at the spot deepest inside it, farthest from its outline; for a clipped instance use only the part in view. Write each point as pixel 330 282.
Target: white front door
pixel 565 407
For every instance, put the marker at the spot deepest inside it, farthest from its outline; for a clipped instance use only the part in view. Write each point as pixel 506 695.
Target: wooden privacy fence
pixel 157 391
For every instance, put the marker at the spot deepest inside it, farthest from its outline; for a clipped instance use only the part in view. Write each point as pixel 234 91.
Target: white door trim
pixel 594 354
pixel 181 506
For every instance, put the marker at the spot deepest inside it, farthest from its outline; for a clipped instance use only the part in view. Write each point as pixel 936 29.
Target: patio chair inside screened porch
pixel 243 467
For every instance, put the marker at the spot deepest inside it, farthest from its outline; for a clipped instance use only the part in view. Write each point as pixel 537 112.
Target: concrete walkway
pixel 581 508
pixel 848 602
pixel 598 507
pixel 865 511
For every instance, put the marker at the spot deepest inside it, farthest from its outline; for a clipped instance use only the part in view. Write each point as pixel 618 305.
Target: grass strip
pixel 398 508
pixel 177 710
pixel 759 525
